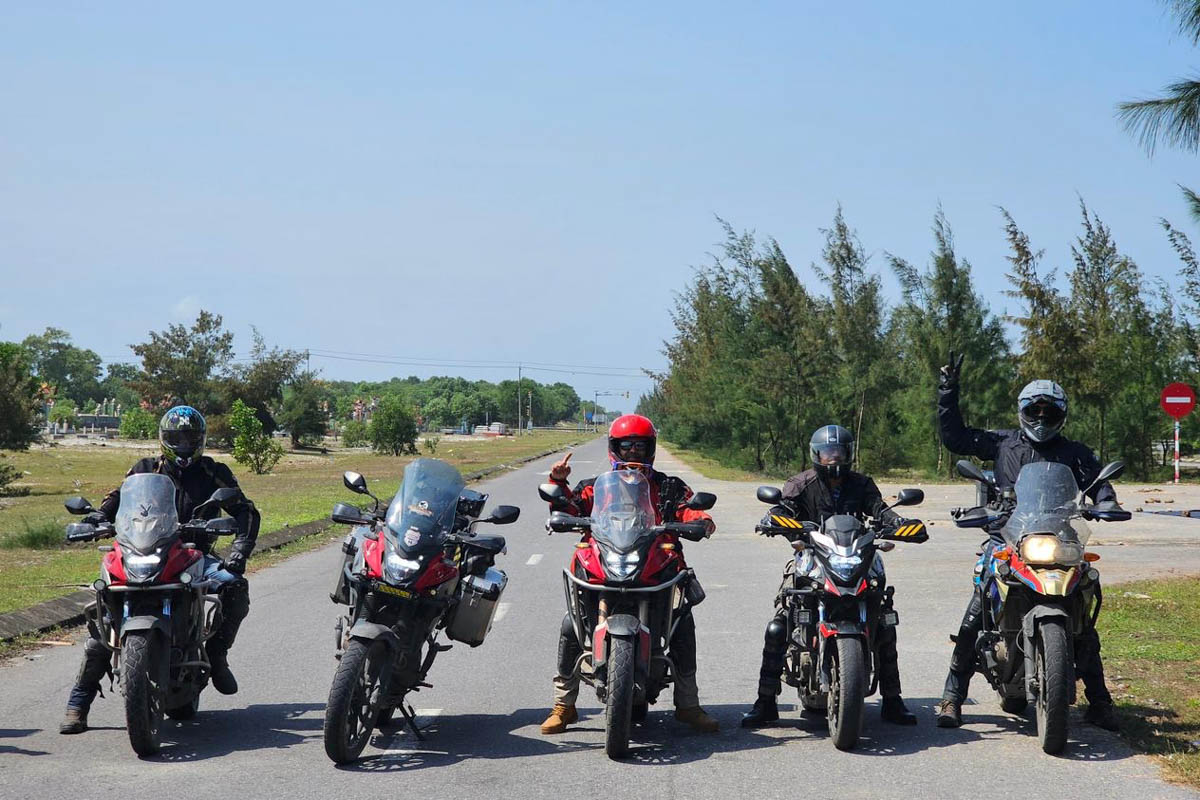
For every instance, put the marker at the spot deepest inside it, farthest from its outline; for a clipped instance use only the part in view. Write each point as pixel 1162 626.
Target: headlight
pixel 1045 549
pixel 141 568
pixel 622 565
pixel 396 569
pixel 844 566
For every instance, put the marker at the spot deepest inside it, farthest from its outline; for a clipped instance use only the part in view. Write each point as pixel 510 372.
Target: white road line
pixel 501 611
pixel 533 559
pixel 428 712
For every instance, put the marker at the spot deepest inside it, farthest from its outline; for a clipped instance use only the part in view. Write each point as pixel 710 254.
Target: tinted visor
pixel 1043 410
pixel 832 453
pixel 633 449
pixel 183 442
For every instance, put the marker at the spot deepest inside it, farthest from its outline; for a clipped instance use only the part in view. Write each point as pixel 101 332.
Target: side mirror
pixel 970 471
pixel 909 497
pixel 769 495
pixel 553 494
pixel 701 501
pixel 355 482
pixel 347 514
pixel 504 515
pixel 78 506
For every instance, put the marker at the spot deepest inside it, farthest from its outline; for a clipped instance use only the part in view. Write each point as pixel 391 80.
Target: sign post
pixel 1178 400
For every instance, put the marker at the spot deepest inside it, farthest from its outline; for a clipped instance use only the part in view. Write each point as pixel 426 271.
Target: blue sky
pixel 462 182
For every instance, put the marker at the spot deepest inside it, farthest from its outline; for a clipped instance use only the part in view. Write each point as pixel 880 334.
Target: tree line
pixel 759 360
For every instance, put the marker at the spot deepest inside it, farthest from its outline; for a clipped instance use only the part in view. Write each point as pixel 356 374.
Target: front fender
pixel 144 623
pixel 369 631
pixel 1028 628
pixel 621 626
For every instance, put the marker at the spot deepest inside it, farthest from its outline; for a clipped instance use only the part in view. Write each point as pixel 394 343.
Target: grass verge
pixel 35 565
pixel 1151 635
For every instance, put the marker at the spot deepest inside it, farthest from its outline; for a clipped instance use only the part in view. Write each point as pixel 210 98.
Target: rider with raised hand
pixel 182 434
pixel 1041 414
pixel 829 488
pixel 632 440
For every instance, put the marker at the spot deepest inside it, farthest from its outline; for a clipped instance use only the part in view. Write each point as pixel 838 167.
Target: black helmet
pixel 832 451
pixel 1042 410
pixel 182 434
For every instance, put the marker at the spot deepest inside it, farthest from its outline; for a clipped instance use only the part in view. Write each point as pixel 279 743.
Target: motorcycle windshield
pixel 1046 501
pixel 622 512
pixel 422 512
pixel 147 515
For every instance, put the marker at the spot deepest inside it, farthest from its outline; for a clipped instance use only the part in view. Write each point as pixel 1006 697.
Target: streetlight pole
pixel 518 398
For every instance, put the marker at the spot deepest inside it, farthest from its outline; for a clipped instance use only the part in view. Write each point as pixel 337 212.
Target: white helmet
pixel 1042 410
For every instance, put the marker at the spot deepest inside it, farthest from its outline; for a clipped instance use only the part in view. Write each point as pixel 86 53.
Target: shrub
pixel 393 429
pixel 355 434
pixel 8 474
pixel 431 444
pixel 251 446
pixel 138 423
pixel 44 535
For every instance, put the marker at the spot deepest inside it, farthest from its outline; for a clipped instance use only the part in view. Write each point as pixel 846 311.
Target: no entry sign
pixel 1178 400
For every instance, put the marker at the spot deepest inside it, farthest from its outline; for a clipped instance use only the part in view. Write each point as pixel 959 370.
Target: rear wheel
pixel 354 699
pixel 618 702
pixel 847 687
pixel 1053 666
pixel 145 673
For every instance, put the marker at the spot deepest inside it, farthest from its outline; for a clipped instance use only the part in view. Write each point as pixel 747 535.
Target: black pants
pixel 1088 666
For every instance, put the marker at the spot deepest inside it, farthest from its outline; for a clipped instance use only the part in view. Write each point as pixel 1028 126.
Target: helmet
pixel 631 440
pixel 1042 410
pixel 832 451
pixel 182 433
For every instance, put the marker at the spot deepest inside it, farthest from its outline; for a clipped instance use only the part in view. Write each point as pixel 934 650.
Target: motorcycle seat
pixel 488 543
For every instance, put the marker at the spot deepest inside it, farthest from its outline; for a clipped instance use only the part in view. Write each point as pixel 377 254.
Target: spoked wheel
pixel 847 687
pixel 354 698
pixel 1053 665
pixel 145 673
pixel 618 703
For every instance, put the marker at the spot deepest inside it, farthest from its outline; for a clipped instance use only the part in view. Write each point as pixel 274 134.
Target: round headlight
pixel 1040 549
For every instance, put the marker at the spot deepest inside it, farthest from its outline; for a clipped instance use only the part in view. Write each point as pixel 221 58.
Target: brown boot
pixel 74 722
pixel 697 719
pixel 560 717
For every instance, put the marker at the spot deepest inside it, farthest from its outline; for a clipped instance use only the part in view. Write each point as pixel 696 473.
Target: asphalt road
pixel 486 704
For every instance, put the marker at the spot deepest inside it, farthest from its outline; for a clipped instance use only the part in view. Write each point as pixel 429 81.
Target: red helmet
pixel 631 440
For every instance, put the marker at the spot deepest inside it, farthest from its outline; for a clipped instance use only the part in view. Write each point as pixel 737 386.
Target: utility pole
pixel 307 361
pixel 529 416
pixel 518 398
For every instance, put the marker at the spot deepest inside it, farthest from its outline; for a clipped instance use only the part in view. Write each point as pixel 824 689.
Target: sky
pixel 453 188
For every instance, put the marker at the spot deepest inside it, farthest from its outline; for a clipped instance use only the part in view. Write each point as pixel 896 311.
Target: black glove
pixel 235 562
pixel 950 372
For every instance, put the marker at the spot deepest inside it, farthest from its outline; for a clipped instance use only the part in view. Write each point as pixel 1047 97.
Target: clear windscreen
pixel 422 512
pixel 622 511
pixel 1046 501
pixel 147 514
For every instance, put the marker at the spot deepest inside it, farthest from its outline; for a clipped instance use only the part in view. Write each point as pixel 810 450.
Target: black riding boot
pixel 962 665
pixel 235 605
pixel 769 676
pixel 1090 670
pixel 892 708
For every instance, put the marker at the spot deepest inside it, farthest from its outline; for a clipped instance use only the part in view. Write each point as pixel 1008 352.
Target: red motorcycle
pixel 627 590
pixel 153 608
pixel 408 574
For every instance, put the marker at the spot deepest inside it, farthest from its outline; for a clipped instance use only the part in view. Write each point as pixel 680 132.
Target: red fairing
pixel 659 561
pixel 599 637
pixel 587 560
pixel 114 566
pixel 179 558
pixel 438 572
pixel 373 556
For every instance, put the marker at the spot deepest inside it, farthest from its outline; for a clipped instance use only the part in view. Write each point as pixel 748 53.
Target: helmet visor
pixel 184 443
pixel 633 449
pixel 831 454
pixel 1043 411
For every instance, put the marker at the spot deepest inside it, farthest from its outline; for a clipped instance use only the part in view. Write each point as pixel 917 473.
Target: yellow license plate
pixel 392 590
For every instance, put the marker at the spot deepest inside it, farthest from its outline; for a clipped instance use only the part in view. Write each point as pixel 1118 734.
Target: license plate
pixel 392 590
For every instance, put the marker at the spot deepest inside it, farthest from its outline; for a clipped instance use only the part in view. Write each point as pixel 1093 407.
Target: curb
pixel 68 609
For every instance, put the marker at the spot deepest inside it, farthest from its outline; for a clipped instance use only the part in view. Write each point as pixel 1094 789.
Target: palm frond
pixel 1187 12
pixel 1173 119
pixel 1193 202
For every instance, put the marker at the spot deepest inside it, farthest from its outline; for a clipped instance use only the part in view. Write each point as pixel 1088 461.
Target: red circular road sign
pixel 1178 400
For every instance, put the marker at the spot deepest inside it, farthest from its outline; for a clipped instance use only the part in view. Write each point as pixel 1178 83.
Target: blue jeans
pixel 213 571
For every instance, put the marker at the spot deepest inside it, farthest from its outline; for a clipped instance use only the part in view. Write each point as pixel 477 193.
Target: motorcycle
pixel 153 609
pixel 1039 590
pixel 838 601
pixel 627 589
pixel 409 573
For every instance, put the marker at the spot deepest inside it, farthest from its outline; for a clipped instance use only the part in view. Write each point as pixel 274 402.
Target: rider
pixel 1041 414
pixel 829 488
pixel 181 435
pixel 631 443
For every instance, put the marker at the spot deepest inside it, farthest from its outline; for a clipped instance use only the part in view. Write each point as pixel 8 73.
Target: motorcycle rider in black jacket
pixel 1042 412
pixel 182 435
pixel 829 488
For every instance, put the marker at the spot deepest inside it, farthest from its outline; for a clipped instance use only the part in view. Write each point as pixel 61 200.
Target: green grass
pixel 1151 636
pixel 710 467
pixel 35 564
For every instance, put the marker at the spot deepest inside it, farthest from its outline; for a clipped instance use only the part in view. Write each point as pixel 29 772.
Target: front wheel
pixel 618 702
pixel 145 673
pixel 847 688
pixel 1053 665
pixel 354 698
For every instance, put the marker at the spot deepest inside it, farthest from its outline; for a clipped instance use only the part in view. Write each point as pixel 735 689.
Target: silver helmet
pixel 1042 410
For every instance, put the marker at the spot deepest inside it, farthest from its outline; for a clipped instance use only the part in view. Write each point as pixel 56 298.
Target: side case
pixel 479 597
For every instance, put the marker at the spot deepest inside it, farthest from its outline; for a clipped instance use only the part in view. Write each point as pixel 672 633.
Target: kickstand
pixel 411 719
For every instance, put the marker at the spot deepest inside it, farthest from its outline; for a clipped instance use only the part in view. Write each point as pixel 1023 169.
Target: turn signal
pixel 667 546
pixel 581 545
pixel 1091 556
pixel 1002 555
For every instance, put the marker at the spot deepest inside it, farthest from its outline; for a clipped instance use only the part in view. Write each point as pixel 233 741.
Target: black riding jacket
pixel 810 499
pixel 1011 450
pixel 194 485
